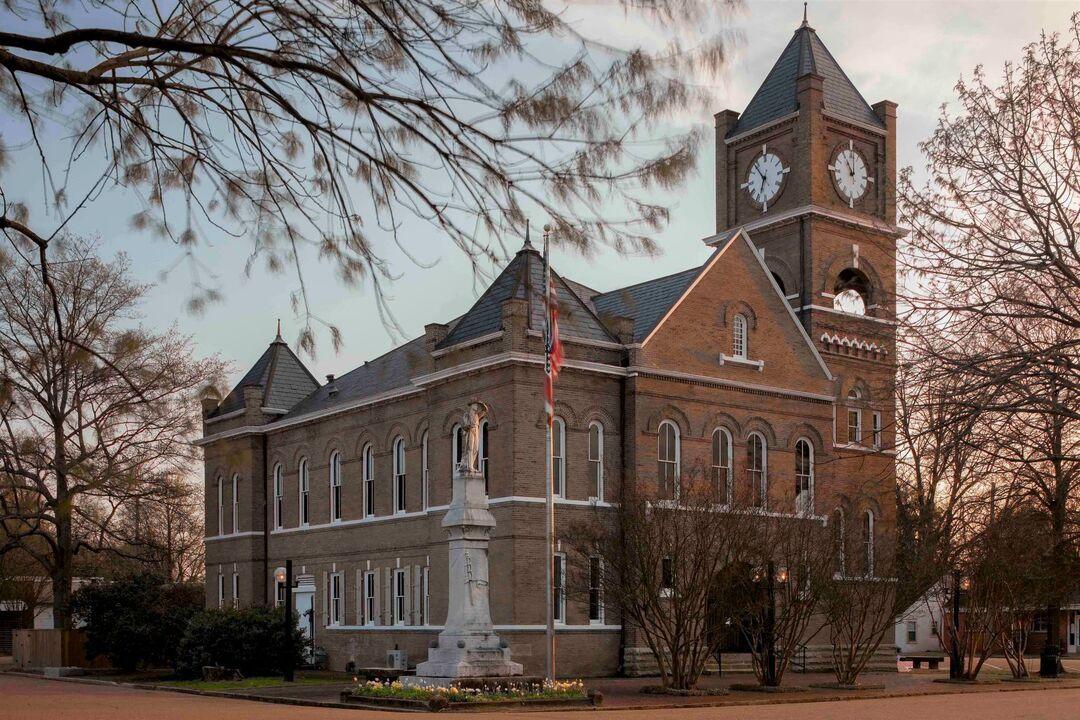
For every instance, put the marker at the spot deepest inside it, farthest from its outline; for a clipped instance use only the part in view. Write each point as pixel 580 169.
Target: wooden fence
pixel 51 648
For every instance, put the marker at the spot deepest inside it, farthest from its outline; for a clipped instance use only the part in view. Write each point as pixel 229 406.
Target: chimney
pixel 331 386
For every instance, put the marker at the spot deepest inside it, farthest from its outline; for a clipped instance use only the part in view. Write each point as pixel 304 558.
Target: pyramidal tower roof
pixel 776 98
pixel 284 380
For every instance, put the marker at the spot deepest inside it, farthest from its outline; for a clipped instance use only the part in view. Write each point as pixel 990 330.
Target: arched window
pixel 558 457
pixel 840 541
pixel 424 471
pixel 369 480
pixel 738 337
pixel 399 474
pixel 455 452
pixel 235 504
pixel 851 294
pixel 221 505
pixel 757 469
pixel 667 458
pixel 596 458
pixel 868 541
pixel 304 487
pixel 484 454
pixel 279 496
pixel 335 486
pixel 804 477
pixel 721 464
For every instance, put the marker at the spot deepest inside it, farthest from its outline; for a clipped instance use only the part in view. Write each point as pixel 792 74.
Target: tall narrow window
pixel 279 593
pixel 235 504
pixel 721 464
pixel 400 594
pixel 369 598
pixel 369 480
pixel 424 471
pixel 667 458
pixel 279 496
pixel 335 486
pixel 304 487
pixel 804 478
pixel 336 605
pixel 596 459
pixel 877 430
pixel 236 589
pixel 558 457
pixel 484 456
pixel 667 576
pixel 425 595
pixel 868 541
pixel 399 475
pixel 738 337
pixel 840 541
pixel 854 426
pixel 558 590
pixel 221 506
pixel 220 590
pixel 455 451
pixel 596 594
pixel 757 470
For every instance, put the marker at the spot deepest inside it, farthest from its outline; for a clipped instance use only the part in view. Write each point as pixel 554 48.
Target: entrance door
pixel 304 601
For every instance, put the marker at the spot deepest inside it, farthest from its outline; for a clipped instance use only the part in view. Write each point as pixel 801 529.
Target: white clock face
pixel 849 172
pixel 765 177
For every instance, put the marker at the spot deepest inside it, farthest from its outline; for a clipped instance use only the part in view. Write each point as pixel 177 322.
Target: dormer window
pixel 738 337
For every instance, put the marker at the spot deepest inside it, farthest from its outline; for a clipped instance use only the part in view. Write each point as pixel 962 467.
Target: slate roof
pixel 804 54
pixel 523 279
pixel 646 303
pixel 284 379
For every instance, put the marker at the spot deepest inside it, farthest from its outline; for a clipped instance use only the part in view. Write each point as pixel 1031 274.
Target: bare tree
pixel 308 124
pixel 81 438
pixel 663 564
pixel 164 533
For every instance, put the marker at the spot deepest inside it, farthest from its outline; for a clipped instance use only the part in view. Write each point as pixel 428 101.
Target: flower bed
pixel 463 696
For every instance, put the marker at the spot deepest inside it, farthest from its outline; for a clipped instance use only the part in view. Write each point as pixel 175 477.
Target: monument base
pixel 467 656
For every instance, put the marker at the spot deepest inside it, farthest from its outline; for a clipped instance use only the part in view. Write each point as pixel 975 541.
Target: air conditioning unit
pixel 397 659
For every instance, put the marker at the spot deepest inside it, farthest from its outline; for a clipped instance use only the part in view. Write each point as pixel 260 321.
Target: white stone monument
pixel 468 646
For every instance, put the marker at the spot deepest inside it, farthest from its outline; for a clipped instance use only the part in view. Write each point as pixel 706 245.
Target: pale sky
pixel 909 52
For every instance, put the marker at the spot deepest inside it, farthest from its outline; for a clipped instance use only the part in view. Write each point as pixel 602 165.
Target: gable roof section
pixel 776 98
pixel 284 379
pixel 523 279
pixel 700 272
pixel 645 303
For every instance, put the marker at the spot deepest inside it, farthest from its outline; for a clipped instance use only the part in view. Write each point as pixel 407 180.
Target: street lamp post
pixel 954 655
pixel 284 576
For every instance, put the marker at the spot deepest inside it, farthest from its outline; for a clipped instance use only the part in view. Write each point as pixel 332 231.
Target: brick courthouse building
pixel 771 361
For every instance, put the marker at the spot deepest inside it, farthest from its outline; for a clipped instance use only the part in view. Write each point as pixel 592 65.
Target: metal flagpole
pixel 549 497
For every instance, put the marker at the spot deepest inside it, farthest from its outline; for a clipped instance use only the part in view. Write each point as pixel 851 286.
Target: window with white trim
pixel 667 576
pixel 425 595
pixel 596 458
pixel 558 590
pixel 721 464
pixel 236 590
pixel 483 456
pixel 279 496
pixel 221 505
pixel 304 486
pixel 757 469
pixel 424 471
pixel 400 593
pixel 337 608
pixel 854 426
pixel 877 429
pixel 220 590
pixel 399 474
pixel 596 591
pixel 804 477
pixel 369 598
pixel 456 438
pixel 912 631
pixel 368 462
pixel 868 541
pixel 558 457
pixel 738 337
pixel 335 486
pixel 667 458
pixel 235 504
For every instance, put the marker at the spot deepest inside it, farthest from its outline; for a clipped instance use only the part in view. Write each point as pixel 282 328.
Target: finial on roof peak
pixel 805 22
pixel 278 338
pixel 527 245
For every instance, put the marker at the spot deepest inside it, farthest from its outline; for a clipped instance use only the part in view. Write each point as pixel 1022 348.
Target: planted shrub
pixel 136 621
pixel 251 640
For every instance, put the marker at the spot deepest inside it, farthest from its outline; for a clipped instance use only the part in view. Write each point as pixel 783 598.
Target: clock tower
pixel 808 170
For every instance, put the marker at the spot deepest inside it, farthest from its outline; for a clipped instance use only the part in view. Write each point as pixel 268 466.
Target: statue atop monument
pixel 471 420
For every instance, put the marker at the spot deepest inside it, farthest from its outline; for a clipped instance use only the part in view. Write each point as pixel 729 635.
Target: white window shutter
pixel 359 597
pixel 326 599
pixel 416 600
pixel 408 597
pixel 388 593
pixel 377 618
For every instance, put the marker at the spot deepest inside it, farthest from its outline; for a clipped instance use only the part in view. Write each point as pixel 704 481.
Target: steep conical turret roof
pixel 284 380
pixel 776 98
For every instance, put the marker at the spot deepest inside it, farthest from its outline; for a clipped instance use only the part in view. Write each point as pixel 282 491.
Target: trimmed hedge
pixel 251 640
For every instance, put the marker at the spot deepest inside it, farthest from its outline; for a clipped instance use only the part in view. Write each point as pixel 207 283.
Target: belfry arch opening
pixel 851 294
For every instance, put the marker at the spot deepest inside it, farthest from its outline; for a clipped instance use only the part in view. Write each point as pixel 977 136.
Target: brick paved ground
pixel 24 698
